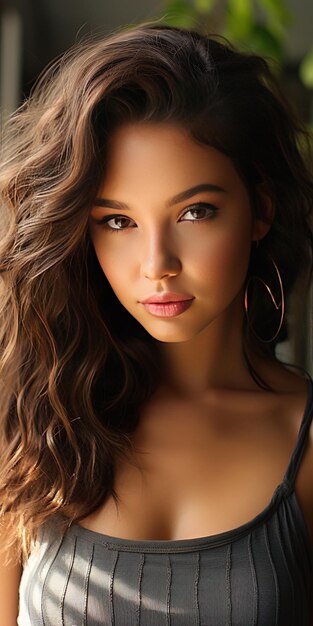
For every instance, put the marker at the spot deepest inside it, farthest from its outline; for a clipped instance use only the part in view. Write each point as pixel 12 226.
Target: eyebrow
pixel 183 195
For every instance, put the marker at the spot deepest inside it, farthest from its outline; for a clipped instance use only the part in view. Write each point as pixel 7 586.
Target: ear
pixel 266 210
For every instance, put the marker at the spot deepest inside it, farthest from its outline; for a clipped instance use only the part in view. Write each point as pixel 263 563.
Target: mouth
pixel 169 308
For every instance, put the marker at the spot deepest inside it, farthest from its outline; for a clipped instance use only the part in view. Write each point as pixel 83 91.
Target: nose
pixel 159 258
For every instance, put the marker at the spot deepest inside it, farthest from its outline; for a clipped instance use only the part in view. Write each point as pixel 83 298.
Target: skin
pixel 171 249
pixel 10 576
pixel 198 424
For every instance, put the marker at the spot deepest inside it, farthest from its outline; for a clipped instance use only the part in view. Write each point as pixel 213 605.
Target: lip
pixel 167 297
pixel 168 309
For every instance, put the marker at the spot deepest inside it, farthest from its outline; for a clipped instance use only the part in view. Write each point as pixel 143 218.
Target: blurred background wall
pixel 33 32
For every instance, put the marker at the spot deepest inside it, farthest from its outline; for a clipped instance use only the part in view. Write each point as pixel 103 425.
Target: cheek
pixel 225 259
pixel 114 262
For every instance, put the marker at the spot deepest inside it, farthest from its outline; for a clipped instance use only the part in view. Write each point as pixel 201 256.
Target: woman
pixel 157 456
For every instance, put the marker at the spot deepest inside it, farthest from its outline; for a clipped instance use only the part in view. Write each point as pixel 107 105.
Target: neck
pixel 211 359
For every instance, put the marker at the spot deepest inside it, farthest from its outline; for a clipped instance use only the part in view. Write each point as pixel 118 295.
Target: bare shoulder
pixel 294 389
pixel 304 479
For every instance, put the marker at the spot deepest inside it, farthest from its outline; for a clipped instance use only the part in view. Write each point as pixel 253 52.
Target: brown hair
pixel 75 367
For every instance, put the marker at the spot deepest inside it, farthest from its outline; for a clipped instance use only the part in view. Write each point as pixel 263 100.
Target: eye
pixel 119 221
pixel 201 211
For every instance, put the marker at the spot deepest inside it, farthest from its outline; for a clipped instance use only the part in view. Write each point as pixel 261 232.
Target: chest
pixel 253 578
pixel 199 471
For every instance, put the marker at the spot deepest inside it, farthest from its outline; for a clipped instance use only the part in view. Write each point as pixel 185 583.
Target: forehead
pixel 147 154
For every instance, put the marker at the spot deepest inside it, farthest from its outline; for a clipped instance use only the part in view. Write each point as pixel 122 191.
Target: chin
pixel 172 335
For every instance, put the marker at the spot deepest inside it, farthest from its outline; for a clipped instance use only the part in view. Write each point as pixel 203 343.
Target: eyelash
pixel 104 221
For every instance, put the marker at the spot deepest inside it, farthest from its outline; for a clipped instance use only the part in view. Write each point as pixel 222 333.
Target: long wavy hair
pixel 75 367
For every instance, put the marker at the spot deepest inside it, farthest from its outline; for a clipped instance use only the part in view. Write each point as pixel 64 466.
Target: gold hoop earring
pixel 277 306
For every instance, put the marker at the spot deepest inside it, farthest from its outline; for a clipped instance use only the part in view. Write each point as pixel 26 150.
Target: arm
pixel 9 586
pixel 10 576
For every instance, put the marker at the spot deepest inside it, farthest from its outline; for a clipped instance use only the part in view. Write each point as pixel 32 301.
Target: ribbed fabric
pixel 259 574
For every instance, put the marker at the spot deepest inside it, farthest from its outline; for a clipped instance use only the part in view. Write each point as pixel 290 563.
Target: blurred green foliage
pixel 306 69
pixel 257 25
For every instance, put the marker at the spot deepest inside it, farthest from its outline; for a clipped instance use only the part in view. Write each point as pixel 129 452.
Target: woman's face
pixel 176 218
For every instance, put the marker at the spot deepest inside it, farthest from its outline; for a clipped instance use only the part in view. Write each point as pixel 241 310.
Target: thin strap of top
pixel 295 460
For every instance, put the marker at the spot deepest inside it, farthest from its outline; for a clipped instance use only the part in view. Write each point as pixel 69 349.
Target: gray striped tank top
pixel 259 574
